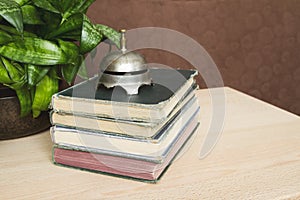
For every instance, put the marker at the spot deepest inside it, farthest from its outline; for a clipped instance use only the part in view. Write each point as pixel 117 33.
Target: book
pixel 136 136
pixel 107 142
pixel 141 169
pixel 153 103
pixel 118 126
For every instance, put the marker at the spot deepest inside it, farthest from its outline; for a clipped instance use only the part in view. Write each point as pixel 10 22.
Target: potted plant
pixel 43 42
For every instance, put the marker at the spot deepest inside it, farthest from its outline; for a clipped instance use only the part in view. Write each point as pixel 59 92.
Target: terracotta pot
pixel 14 126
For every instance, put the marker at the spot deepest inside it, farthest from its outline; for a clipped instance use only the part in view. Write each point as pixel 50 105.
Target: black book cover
pixel 166 82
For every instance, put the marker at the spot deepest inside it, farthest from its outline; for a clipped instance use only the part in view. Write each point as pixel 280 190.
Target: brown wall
pixel 255 43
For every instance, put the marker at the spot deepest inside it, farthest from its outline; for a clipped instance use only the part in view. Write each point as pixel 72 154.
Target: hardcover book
pixel 124 166
pixel 118 126
pixel 153 103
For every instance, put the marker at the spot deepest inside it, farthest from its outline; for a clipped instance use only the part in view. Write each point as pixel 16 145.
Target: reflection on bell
pixel 125 69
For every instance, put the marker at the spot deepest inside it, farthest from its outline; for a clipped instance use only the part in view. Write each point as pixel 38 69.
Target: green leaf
pixel 62 6
pixel 11 12
pixel 78 6
pixel 74 23
pixel 34 51
pixel 51 22
pixel 109 33
pixel 66 4
pixel 31 15
pixel 5 37
pixel 4 76
pixel 13 72
pixel 19 67
pixel 70 50
pixel 22 2
pixel 69 72
pixel 82 72
pixel 32 93
pixel 73 35
pixel 25 100
pixel 90 36
pixel 45 4
pixel 43 93
pixel 13 31
pixel 35 73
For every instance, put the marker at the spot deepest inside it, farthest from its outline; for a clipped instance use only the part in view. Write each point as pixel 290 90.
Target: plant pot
pixel 11 124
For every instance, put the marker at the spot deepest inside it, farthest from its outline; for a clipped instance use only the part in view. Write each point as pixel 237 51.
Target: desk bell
pixel 124 68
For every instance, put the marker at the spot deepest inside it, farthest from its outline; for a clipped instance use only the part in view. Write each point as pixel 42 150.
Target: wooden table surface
pixel 257 156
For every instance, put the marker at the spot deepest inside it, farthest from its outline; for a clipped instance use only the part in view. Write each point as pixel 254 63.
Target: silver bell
pixel 125 69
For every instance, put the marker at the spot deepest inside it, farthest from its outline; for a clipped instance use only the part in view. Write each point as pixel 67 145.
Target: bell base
pixel 130 83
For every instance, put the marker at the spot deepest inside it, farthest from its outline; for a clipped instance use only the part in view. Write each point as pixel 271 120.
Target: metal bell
pixel 124 68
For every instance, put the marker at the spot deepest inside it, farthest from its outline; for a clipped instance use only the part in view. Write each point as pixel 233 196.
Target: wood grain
pixel 256 157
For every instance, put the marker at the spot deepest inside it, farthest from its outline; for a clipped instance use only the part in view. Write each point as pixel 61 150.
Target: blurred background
pixel 254 43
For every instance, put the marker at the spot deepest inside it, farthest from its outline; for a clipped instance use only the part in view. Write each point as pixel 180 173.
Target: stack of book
pixel 137 136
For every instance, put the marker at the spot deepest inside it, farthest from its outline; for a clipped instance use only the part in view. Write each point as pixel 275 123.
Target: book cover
pixel 153 102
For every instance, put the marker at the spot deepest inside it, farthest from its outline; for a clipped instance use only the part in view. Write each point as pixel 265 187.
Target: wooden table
pixel 256 157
